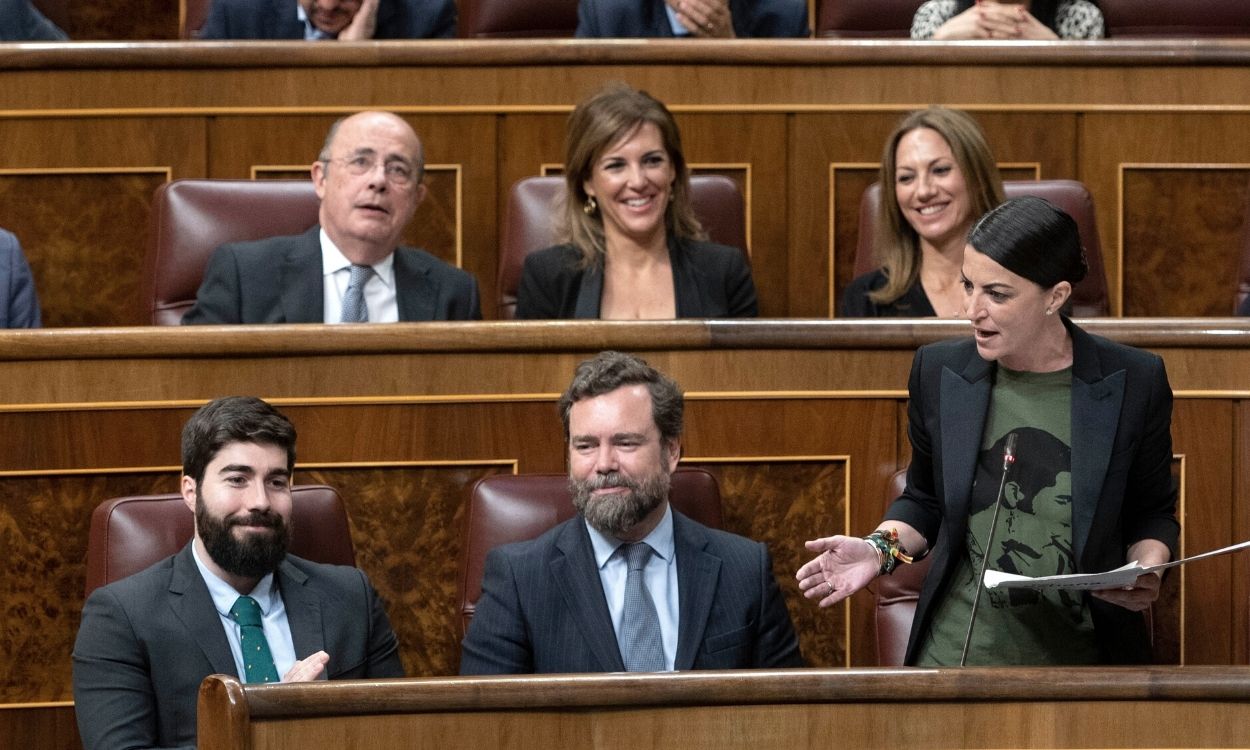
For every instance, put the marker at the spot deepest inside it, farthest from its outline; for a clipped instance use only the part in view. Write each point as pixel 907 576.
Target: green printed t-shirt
pixel 1033 537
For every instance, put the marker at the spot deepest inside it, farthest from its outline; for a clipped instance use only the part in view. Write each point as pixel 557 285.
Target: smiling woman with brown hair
pixel 633 247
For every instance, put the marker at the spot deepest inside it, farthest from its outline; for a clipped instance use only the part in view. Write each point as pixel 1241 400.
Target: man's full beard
pixel 616 514
pixel 251 557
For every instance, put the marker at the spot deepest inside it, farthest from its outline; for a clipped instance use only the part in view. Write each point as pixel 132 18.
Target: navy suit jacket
pixel 276 19
pixel 543 609
pixel 607 19
pixel 279 280
pixel 709 281
pixel 1122 488
pixel 19 305
pixel 22 22
pixel 147 641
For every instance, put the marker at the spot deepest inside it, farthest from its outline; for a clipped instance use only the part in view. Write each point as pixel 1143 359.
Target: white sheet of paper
pixel 1121 576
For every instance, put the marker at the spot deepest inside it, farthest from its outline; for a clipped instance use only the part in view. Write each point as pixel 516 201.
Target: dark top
pixel 709 281
pixel 856 304
pixel 1122 487
pixel 280 280
pixel 276 19
pixel 606 19
pixel 22 22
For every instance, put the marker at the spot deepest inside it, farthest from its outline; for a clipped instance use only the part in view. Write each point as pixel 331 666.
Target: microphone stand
pixel 1009 458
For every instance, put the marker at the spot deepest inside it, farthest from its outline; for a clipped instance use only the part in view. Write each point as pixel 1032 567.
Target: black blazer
pixel 276 19
pixel 709 281
pixel 147 641
pixel 856 304
pixel 279 280
pixel 605 19
pixel 543 609
pixel 1122 488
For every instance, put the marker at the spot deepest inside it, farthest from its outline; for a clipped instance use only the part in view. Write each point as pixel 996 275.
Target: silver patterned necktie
pixel 642 649
pixel 354 310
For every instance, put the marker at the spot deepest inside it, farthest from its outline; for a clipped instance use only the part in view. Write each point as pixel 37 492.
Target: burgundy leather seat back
pixel 897 595
pixel 514 507
pixel 190 218
pixel 865 19
pixel 533 216
pixel 129 534
pixel 503 19
pixel 1127 19
pixel 1089 297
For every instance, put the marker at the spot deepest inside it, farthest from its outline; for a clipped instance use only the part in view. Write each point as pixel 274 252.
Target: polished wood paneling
pixel 1131 113
pixel 948 708
pixel 1183 230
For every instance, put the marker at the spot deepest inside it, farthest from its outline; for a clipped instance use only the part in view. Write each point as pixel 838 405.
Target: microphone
pixel 1009 458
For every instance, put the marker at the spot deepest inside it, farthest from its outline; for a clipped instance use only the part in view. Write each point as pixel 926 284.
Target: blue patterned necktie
pixel 642 649
pixel 257 661
pixel 354 309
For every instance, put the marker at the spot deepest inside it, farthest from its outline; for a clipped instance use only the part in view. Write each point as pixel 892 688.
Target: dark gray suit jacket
pixel 606 19
pixel 543 609
pixel 709 281
pixel 147 641
pixel 276 19
pixel 19 305
pixel 279 280
pixel 1122 488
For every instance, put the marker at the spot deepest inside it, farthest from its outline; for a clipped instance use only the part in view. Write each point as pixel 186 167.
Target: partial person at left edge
pixel 316 20
pixel 350 267
pixel 146 642
pixel 19 304
pixel 22 22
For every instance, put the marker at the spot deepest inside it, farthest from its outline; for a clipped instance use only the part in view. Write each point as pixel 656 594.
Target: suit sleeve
pixel 114 700
pixel 776 646
pixel 23 302
pixel 587 20
pixel 1150 498
pixel 216 26
pixel 444 26
pixel 919 506
pixel 497 641
pixel 219 299
pixel 383 645
pixel 740 288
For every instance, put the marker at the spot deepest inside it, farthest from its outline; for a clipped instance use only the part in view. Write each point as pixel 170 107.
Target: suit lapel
pixel 1096 403
pixel 965 402
pixel 302 281
pixel 577 577
pixel 415 291
pixel 698 576
pixel 589 294
pixel 303 614
pixel 193 606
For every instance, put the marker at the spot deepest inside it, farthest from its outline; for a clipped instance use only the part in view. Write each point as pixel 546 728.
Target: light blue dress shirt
pixel 273 620
pixel 660 577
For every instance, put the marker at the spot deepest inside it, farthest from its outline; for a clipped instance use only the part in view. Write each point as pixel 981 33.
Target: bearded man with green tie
pixel 231 602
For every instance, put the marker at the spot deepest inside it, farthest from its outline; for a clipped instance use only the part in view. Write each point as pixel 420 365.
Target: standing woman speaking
pixel 1090 488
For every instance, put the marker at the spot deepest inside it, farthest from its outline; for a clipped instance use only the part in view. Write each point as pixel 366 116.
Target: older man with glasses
pixel 350 267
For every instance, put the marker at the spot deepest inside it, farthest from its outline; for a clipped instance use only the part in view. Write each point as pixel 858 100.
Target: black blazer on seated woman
pixel 709 281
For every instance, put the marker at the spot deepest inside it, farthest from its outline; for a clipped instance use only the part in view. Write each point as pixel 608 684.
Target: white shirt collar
pixel 660 539
pixel 333 260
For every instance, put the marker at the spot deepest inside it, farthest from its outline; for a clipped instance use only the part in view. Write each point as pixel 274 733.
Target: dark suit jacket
pixel 857 304
pixel 709 281
pixel 276 19
pixel 19 305
pixel 543 609
pixel 147 641
pixel 22 22
pixel 279 280
pixel 1122 488
pixel 606 19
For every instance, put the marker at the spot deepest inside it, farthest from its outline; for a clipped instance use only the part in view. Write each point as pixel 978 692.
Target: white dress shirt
pixel 380 297
pixel 659 576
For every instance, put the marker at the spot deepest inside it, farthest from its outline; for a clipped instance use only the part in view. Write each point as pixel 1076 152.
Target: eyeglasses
pixel 396 172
